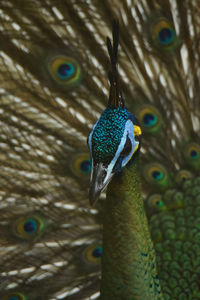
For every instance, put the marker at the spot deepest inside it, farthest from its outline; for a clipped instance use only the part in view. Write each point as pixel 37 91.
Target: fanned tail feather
pixel 53 86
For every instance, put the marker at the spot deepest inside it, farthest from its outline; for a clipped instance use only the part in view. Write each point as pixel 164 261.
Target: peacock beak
pixel 98 181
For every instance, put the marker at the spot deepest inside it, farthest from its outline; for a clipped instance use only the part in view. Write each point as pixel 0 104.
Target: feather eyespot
pixel 157 175
pixel 97 252
pixel 85 166
pixel 150 119
pixel 14 296
pixel 155 202
pixel 192 155
pixel 91 256
pixel 159 203
pixel 81 164
pixel 163 34
pixel 93 253
pixel 183 175
pixel 28 227
pixel 64 70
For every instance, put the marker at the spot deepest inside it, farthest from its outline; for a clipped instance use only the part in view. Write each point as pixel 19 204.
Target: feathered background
pixel 53 87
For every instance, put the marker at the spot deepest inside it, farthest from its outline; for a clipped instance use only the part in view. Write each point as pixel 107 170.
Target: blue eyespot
pixel 30 226
pixel 66 70
pixel 157 175
pixel 166 36
pixel 91 255
pixel 14 296
pixel 80 164
pixel 194 154
pixel 85 166
pixel 155 203
pixel 149 120
pixel 97 252
pixel 163 35
pixel 159 203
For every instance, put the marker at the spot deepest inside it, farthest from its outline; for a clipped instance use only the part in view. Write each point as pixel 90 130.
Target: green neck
pixel 128 262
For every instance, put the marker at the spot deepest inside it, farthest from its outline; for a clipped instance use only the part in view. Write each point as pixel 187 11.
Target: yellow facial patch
pixel 137 130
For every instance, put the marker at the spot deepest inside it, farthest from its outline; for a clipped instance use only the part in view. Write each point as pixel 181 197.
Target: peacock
pixel 54 71
pixel 128 268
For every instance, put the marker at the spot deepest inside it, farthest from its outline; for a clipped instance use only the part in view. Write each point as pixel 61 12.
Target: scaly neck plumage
pixel 128 262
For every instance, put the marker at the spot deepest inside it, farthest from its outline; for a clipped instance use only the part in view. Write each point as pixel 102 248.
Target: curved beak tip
pixel 97 182
pixel 93 196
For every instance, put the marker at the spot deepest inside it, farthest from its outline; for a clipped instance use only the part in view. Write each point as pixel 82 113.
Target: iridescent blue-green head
pixel 115 138
pixel 113 141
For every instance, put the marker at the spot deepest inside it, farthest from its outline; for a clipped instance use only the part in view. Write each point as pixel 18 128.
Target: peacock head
pixel 113 143
pixel 115 138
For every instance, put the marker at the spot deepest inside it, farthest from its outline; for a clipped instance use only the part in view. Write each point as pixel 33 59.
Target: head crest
pixel 115 98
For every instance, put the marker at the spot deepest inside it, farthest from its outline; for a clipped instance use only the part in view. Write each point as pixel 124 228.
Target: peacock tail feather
pixel 53 87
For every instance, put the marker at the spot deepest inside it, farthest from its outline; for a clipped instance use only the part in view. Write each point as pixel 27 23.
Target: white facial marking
pixel 90 148
pixel 129 131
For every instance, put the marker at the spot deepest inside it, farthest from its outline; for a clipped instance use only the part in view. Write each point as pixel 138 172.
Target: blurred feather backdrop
pixel 53 87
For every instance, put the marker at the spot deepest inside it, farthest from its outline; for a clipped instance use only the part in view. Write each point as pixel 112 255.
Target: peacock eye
pixel 127 148
pixel 14 296
pixel 64 70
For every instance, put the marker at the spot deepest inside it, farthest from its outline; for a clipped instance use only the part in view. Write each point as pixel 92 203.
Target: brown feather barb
pixel 53 88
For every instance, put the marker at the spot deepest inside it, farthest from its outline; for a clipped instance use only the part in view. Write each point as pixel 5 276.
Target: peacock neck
pixel 128 262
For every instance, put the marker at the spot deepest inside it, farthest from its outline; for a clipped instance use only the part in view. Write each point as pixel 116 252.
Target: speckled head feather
pixel 108 133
